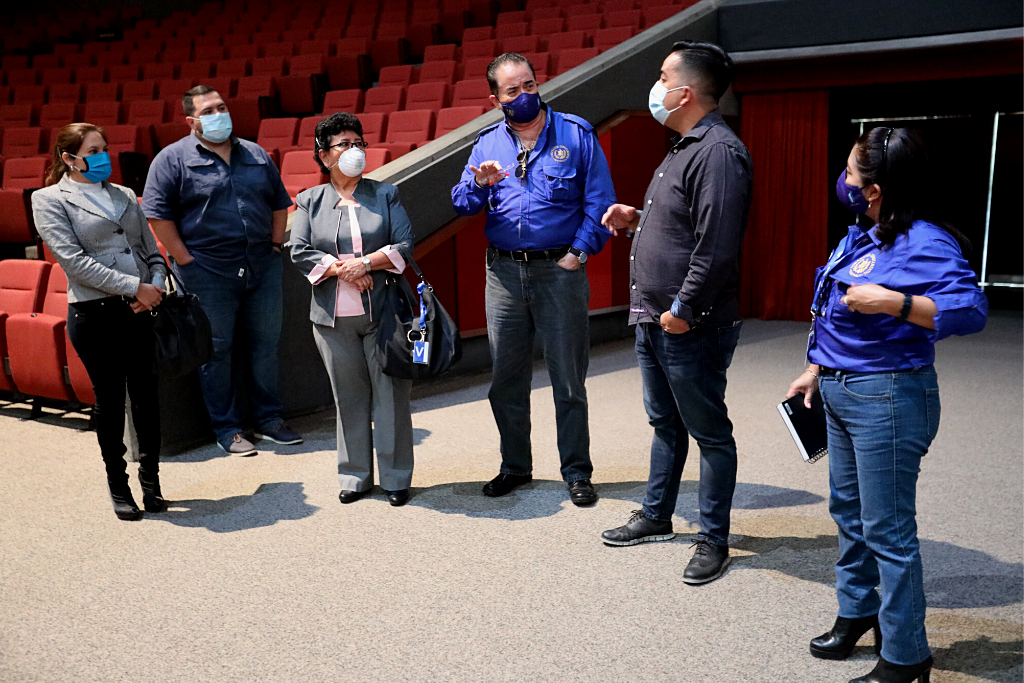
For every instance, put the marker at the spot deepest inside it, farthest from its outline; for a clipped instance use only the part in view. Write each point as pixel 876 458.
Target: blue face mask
pixel 216 127
pixel 97 166
pixel 522 109
pixel 851 196
pixel 656 102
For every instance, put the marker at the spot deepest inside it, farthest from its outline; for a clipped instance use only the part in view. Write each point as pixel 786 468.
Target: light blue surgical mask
pixel 97 166
pixel 216 127
pixel 656 102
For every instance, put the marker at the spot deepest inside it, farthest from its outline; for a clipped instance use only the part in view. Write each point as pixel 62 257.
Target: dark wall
pixel 764 25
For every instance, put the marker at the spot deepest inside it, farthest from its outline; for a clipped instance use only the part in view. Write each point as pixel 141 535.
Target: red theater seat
pixel 476 68
pixel 442 71
pixel 432 96
pixel 472 93
pixel 411 126
pixel 397 149
pixel 276 134
pixel 299 171
pixel 343 100
pixel 22 285
pixel 30 94
pixel 255 86
pixel 569 59
pixel 22 142
pixel 545 27
pixel 384 99
pixel 56 115
pixel 631 18
pixel 608 38
pixel 165 134
pixel 91 74
pixel 570 40
pixel 37 345
pixel 510 18
pixel 285 50
pixel 65 92
pixel 269 66
pixel 375 158
pixel 477 33
pixel 104 113
pixel 138 90
pixel 442 53
pixel 234 68
pixel 656 15
pixel 246 114
pixel 16 77
pixel 514 30
pixel 174 88
pixel 388 52
pixel 455 117
pixel 584 22
pixel 19 175
pixel 57 75
pixel 375 125
pixel 198 71
pixel 403 74
pixel 521 44
pixel 480 48
pixel 162 71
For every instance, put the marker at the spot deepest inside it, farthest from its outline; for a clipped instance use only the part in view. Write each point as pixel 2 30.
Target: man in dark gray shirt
pixel 684 273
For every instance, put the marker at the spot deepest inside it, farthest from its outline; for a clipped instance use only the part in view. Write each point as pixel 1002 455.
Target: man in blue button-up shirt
pixel 544 182
pixel 219 207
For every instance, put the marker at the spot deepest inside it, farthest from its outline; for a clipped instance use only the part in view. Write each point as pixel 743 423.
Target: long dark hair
pixel 901 162
pixel 69 139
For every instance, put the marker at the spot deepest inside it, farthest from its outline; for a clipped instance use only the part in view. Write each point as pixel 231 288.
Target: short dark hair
pixel 188 104
pixel 711 65
pixel 330 126
pixel 500 61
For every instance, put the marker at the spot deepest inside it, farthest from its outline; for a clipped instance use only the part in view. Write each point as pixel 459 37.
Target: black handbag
pixel 415 339
pixel 182 337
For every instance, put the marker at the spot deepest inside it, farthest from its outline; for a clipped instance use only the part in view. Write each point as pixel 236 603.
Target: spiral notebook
pixel 807 426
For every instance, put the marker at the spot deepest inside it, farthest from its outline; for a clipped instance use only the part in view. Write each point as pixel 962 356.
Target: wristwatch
pixel 578 253
pixel 366 262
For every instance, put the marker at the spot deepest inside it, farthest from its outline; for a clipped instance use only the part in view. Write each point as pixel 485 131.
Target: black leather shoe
pixel 398 498
pixel 350 496
pixel 505 483
pixel 840 641
pixel 152 498
pixel 639 529
pixel 707 564
pixel 884 672
pixel 581 492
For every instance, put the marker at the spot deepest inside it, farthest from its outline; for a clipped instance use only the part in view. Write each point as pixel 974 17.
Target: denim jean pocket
pixel 489 256
pixel 934 410
pixel 872 387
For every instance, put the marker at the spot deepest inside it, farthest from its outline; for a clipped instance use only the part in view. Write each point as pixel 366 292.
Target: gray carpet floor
pixel 257 573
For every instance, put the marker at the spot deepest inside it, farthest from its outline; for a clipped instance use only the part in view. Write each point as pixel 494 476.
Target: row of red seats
pixel 432 96
pixel 283 135
pixel 146 138
pixel 38 358
pixel 20 178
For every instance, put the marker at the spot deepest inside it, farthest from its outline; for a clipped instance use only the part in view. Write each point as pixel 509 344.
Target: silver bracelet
pixel 808 371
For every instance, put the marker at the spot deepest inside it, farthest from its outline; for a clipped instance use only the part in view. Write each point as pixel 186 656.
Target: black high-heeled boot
pixel 840 641
pixel 124 504
pixel 887 672
pixel 149 478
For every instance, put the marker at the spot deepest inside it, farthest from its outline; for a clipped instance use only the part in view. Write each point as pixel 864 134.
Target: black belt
pixel 825 370
pixel 540 255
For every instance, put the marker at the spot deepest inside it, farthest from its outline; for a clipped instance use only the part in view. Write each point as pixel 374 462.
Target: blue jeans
pixel 539 297
pixel 879 427
pixel 684 393
pixel 256 304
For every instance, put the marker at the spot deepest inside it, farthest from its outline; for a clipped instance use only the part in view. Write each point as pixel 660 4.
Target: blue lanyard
pixel 817 308
pixel 423 310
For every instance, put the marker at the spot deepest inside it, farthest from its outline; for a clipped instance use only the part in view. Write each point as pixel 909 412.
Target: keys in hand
pixel 488 173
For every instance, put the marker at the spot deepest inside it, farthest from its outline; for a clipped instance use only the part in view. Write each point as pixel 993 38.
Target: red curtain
pixel 787 234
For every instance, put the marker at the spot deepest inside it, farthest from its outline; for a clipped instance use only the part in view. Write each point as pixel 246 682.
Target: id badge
pixel 421 352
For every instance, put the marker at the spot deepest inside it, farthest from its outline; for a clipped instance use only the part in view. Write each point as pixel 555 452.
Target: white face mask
pixel 656 102
pixel 352 162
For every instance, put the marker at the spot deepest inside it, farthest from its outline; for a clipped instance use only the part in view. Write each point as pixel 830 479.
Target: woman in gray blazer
pixel 99 236
pixel 345 236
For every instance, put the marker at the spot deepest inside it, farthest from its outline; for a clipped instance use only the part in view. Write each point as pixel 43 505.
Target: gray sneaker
pixel 238 445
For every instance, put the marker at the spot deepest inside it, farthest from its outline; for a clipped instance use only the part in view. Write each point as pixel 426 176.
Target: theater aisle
pixel 257 573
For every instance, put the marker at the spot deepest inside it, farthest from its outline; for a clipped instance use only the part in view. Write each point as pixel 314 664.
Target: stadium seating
pixel 22 284
pixel 299 171
pixel 454 117
pixel 344 100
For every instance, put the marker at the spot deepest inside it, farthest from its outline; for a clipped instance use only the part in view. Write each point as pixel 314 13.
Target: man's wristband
pixel 908 303
pixel 578 253
pixel 277 245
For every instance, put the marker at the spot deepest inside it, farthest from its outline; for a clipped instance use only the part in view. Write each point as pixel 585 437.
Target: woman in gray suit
pixel 99 236
pixel 346 235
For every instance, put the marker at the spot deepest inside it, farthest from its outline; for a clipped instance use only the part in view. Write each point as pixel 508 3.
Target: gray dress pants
pixel 373 408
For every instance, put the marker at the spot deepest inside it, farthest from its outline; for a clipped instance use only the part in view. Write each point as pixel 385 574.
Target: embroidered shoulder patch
pixel 863 266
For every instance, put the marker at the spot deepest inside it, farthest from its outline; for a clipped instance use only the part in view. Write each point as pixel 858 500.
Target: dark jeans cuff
pixel 711 541
pixel 517 473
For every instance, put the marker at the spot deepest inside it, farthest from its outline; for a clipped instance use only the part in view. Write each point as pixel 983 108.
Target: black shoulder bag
pixel 182 337
pixel 415 342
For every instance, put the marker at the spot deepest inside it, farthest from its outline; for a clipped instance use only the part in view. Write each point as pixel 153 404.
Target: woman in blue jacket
pixel 887 294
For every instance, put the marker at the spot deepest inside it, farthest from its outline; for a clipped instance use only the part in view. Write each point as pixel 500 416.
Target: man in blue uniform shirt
pixel 544 182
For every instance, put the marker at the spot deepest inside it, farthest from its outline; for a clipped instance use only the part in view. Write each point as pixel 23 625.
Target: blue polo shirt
pixel 223 212
pixel 924 261
pixel 558 203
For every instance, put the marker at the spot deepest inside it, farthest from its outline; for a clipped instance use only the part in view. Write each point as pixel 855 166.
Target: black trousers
pixel 116 347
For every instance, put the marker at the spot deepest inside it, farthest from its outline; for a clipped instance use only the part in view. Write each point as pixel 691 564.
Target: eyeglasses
pixel 521 160
pixel 345 145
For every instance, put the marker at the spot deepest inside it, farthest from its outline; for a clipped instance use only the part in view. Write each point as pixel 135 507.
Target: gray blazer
pixel 101 257
pixel 315 232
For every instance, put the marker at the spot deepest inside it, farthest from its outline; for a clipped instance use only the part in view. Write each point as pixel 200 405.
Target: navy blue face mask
pixel 851 196
pixel 522 109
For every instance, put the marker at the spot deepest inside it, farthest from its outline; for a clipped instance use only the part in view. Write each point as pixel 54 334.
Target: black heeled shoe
pixel 124 504
pixel 886 672
pixel 149 478
pixel 839 642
